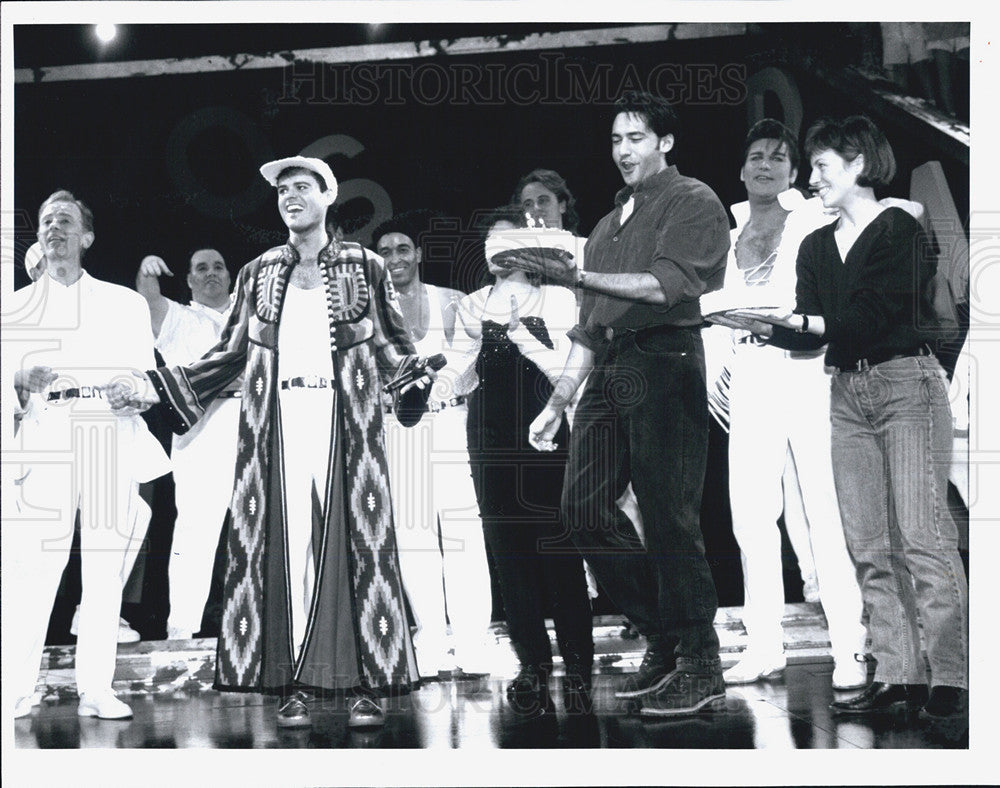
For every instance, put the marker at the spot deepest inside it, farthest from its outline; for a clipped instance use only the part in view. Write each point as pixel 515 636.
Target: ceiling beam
pixel 401 50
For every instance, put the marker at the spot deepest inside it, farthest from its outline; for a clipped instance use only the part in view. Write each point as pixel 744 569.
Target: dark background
pixel 169 163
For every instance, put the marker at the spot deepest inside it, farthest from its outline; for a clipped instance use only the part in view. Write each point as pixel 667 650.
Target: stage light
pixel 105 32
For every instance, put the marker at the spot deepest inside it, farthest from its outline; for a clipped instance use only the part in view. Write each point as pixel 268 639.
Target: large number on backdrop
pixel 356 188
pixel 253 147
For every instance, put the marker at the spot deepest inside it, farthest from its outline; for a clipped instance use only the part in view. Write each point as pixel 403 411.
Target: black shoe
pixel 947 703
pixel 528 692
pixel 652 674
pixel 685 693
pixel 365 712
pixel 881 697
pixel 292 713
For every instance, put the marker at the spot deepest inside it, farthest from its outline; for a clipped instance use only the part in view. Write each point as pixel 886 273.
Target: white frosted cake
pixel 536 240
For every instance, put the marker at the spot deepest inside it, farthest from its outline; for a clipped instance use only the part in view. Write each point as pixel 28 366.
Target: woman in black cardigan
pixel 862 289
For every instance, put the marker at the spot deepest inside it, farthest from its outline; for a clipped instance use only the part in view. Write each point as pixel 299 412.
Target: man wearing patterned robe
pixel 312 594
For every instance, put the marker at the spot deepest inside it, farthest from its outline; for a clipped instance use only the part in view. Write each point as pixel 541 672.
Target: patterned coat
pixel 362 583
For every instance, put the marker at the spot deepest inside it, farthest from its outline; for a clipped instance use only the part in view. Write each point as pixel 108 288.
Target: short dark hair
pixel 505 213
pixel 414 224
pixel 296 170
pixel 62 195
pixel 770 129
pixel 204 249
pixel 850 137
pixel 659 115
pixel 556 184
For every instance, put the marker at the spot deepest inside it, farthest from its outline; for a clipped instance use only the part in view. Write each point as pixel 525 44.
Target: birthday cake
pixel 532 242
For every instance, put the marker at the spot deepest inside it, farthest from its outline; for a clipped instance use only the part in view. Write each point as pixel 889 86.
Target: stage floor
pixel 168 684
pixel 789 714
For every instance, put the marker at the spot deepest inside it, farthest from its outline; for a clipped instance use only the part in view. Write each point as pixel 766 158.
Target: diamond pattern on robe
pixel 370 503
pixel 382 626
pixel 364 400
pixel 383 638
pixel 241 621
pixel 240 644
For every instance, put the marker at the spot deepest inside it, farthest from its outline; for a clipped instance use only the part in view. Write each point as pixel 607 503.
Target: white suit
pixel 431 483
pixel 77 455
pixel 203 461
pixel 779 403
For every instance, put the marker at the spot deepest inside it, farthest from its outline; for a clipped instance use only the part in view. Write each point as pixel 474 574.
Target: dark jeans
pixel 643 418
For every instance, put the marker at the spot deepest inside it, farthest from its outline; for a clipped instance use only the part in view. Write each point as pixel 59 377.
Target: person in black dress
pixel 520 326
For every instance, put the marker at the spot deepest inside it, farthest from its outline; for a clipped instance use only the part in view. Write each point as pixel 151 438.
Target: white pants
pixel 307 437
pixel 431 483
pixel 796 524
pixel 777 404
pixel 36 546
pixel 203 465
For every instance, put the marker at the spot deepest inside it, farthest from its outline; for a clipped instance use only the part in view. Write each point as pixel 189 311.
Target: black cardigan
pixel 876 303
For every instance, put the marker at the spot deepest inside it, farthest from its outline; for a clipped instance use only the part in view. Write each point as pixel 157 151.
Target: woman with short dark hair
pixel 863 287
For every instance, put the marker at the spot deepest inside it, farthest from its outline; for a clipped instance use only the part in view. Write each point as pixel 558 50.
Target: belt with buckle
pixel 232 394
pixel 867 363
pixel 436 406
pixel 83 392
pixel 308 382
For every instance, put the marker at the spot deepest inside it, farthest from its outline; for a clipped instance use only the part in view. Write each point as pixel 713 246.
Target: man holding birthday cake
pixel 643 415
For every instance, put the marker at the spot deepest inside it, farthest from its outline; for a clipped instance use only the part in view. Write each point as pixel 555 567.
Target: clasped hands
pixel 128 398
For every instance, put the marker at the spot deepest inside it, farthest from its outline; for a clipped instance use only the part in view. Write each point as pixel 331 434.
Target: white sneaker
pixel 105 706
pixel 754 667
pixel 125 632
pixel 25 704
pixel 850 673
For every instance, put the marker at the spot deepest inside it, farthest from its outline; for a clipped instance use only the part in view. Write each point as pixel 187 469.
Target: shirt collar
pixel 85 282
pixel 652 183
pixel 790 199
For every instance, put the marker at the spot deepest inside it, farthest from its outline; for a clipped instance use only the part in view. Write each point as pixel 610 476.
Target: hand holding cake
pixel 536 249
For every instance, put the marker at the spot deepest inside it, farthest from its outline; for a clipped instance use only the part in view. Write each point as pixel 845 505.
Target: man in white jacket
pixel 779 408
pixel 69 333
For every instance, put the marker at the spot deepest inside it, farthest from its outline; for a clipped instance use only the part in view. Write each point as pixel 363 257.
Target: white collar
pixel 790 199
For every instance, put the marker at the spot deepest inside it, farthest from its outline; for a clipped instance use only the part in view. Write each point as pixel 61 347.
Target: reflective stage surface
pixel 791 713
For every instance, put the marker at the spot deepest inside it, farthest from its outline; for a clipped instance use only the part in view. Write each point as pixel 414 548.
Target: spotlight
pixel 105 32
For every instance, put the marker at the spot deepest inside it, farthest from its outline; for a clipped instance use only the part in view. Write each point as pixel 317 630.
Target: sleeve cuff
pixel 171 415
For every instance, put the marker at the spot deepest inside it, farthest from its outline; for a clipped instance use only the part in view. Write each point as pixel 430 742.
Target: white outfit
pixel 77 455
pixel 442 552
pixel 203 460
pixel 779 403
pixel 306 412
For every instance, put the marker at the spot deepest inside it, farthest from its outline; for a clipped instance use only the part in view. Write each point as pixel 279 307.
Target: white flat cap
pixel 273 169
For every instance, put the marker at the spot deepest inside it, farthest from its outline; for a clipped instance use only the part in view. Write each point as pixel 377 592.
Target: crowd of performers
pixel 565 439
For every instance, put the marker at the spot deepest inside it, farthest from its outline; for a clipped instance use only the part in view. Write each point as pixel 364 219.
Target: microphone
pixel 414 371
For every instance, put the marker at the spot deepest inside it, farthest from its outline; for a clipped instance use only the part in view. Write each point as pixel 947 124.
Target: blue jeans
pixel 892 436
pixel 643 417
